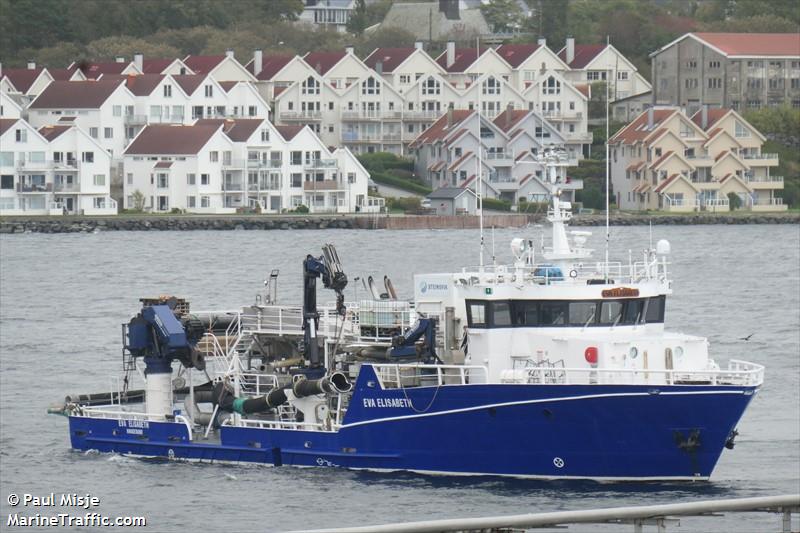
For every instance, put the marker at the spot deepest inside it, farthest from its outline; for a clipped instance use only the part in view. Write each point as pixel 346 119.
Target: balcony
pixel 765 182
pixel 321 163
pixel 44 188
pixel 300 115
pixel 422 115
pixel 769 204
pixel 69 164
pixel 351 116
pixel 499 159
pixel 157 119
pixel 324 185
pixel 135 120
pixel 232 186
pixel 760 160
pixel 576 136
pixel 258 163
pixel 32 166
pixel 68 187
pixel 558 114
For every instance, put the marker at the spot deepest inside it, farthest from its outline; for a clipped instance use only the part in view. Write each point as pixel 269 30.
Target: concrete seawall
pixel 256 222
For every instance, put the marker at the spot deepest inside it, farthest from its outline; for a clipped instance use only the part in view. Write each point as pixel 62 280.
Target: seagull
pixel 746 338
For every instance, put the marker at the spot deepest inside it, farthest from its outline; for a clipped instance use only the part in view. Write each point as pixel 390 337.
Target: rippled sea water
pixel 63 297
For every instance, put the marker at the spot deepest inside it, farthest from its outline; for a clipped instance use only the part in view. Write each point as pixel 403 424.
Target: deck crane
pixel 329 268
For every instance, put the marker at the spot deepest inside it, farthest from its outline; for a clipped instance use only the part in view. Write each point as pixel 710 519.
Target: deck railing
pixel 421 375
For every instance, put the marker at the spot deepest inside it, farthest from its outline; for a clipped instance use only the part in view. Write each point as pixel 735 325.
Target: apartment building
pixel 728 70
pixel 219 166
pixel 668 160
pixel 55 170
pixel 96 106
pixel 331 14
pixel 508 148
pixel 592 63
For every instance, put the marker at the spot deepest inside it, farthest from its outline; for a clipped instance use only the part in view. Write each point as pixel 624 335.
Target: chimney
pixel 570 49
pixel 649 118
pixel 379 68
pixel 451 53
pixel 138 61
pixel 450 115
pixel 318 68
pixel 509 113
pixel 31 64
pixel 349 49
pixel 120 59
pixel 542 41
pixel 418 45
pixel 704 117
pixel 229 53
pixel 258 61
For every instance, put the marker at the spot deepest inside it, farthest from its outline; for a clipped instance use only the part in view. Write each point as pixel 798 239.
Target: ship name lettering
pixel 386 402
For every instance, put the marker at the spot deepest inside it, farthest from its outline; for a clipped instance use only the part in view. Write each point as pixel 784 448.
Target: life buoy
pixel 573 273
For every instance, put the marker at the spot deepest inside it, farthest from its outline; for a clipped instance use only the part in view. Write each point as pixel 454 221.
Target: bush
pixel 409 203
pixel 734 201
pixel 384 161
pixel 300 209
pixel 496 205
pixel 394 181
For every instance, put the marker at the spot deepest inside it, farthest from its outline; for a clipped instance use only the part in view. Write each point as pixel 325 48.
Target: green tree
pixel 550 20
pixel 762 23
pixel 502 15
pixel 358 18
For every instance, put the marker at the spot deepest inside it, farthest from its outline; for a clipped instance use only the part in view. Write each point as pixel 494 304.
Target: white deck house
pixel 510 146
pixel 56 170
pixel 219 166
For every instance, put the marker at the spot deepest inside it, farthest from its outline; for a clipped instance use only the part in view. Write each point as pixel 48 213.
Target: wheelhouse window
pixel 476 314
pixel 501 314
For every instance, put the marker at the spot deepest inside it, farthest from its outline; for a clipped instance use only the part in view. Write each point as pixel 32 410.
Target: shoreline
pixel 83 224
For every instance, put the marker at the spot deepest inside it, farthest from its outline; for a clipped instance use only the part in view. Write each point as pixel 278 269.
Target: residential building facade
pixel 728 70
pixel 55 170
pixel 668 160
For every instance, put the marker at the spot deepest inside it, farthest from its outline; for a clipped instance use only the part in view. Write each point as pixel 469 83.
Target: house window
pixel 167 91
pixel 21 136
pixel 552 86
pixel 108 133
pixel 190 201
pixel 99 180
pixel 713 64
pixel 296 158
pixel 297 179
pixel 405 79
pixel 7 181
pixel 491 86
pixel 622 75
pixel 430 86
pixel 741 130
pixel 87 157
pixel 251 110
pixel 370 86
pixel 209 91
pixel 204 179
pixel 117 110
pixel 190 179
pixel 130 178
pixel 310 86
pixel 205 201
pixel 714 83
pixel 265 135
pixel 214 156
pixel 351 177
pixel 93 133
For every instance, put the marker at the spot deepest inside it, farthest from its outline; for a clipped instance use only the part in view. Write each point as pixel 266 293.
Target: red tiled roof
pixel 227 85
pixel 95 69
pixel 525 178
pixel 6 123
pixel 390 58
pixel 663 185
pixel 714 115
pixel 584 54
pixel 22 78
pixel 52 132
pixel 289 132
pixel 139 85
pixel 455 136
pixel 460 160
pixel 721 155
pixel 509 118
pixel 61 74
pixel 754 44
pixel 635 166
pixel 163 164
pixel 464 57
pixel 439 129
pixel 75 94
pixel 270 66
pixel 637 130
pixel 203 64
pixel 584 88
pixel 322 62
pixel 171 140
pixel 516 54
pixel 155 65
pixel 189 82
pixel 238 130
pixel 661 159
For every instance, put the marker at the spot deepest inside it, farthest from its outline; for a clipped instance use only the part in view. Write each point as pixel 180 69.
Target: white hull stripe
pixel 541 400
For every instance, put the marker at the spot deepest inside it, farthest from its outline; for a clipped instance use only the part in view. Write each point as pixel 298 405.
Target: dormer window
pixel 491 86
pixel 167 91
pixel 370 86
pixel 551 86
pixel 310 86
pixel 209 91
pixel 430 86
pixel 741 130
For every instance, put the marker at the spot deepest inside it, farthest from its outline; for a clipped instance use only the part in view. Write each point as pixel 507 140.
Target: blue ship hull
pixel 551 431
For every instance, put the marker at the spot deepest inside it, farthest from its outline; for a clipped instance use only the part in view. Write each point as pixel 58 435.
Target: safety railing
pixel 738 373
pixel 422 375
pixel 99 412
pixel 254 384
pixel 275 424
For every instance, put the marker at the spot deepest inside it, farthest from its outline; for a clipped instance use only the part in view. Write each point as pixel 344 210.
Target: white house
pixel 56 170
pixel 221 165
pixel 591 63
pixel 331 14
pixel 28 82
pixel 9 108
pixel 99 107
pixel 221 68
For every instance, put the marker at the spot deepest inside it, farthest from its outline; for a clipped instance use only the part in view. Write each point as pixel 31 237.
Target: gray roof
pixel 426 22
pixel 448 193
